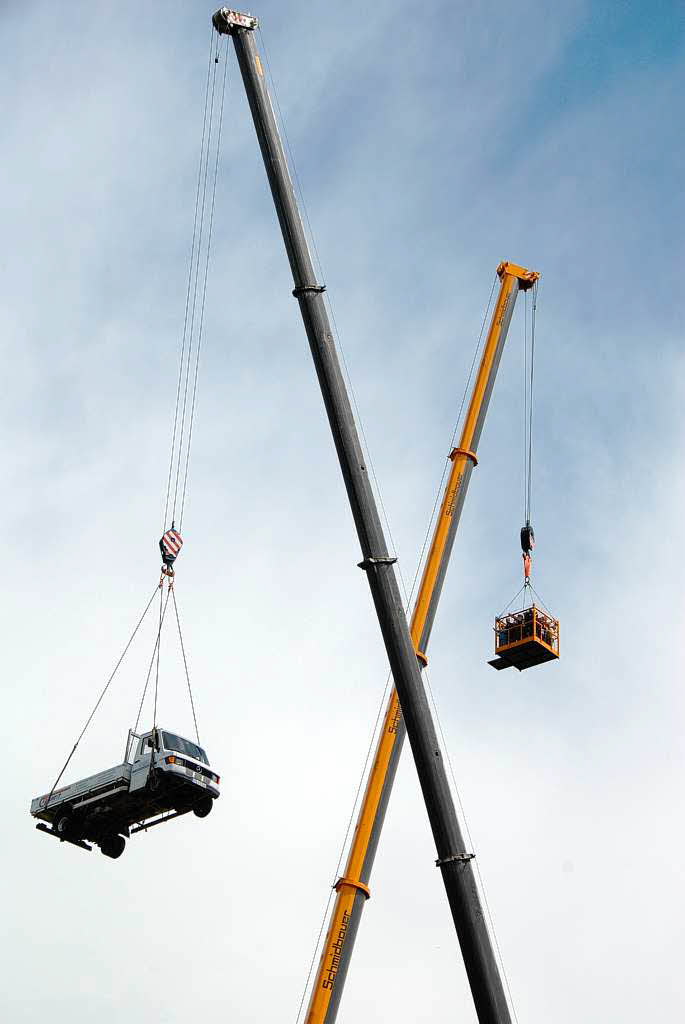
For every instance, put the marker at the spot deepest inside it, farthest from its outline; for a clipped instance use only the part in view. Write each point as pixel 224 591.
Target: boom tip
pixel 226 21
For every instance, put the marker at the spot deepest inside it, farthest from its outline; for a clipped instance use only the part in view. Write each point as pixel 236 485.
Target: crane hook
pixel 527 545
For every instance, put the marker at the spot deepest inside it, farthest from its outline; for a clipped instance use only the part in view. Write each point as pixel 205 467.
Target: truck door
pixel 140 769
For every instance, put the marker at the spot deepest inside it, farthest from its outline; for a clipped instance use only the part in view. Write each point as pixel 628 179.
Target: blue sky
pixel 430 145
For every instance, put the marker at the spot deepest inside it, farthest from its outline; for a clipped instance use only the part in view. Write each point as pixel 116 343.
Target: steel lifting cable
pixel 101 697
pixel 506 609
pixel 159 648
pixel 191 337
pixel 182 432
pixel 155 651
pixel 185 665
pixel 190 276
pixel 528 383
pixel 194 301
pixel 525 405
pixel 528 455
pixel 204 286
pixel 527 536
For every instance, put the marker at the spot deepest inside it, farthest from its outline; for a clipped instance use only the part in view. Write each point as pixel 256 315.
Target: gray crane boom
pixel 454 860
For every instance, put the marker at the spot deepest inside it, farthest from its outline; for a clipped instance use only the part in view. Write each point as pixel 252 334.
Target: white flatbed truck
pixel 163 776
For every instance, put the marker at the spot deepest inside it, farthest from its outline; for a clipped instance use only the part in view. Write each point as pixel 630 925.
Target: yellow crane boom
pixel 352 886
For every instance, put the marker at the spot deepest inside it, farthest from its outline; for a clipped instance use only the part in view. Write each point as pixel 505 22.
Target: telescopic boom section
pixel 352 887
pixel 453 858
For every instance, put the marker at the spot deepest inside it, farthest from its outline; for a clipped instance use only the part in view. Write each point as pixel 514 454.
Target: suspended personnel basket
pixel 525 638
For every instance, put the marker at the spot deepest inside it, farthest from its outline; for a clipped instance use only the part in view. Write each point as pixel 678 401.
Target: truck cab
pixel 169 762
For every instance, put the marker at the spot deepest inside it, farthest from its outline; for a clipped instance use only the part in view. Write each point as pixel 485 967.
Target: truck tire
pixel 113 846
pixel 63 824
pixel 203 807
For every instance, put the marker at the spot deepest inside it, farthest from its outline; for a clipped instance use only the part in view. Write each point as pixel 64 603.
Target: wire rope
pixel 152 661
pixel 525 405
pixel 506 609
pixel 101 697
pixel 159 648
pixel 204 287
pixel 185 665
pixel 194 300
pixel 530 420
pixel 190 277
pixel 542 603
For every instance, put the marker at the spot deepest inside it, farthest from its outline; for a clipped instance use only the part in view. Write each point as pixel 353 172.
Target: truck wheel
pixel 64 824
pixel 203 807
pixel 113 846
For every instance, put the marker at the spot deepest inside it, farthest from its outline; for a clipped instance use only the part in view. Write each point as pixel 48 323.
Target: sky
pixel 430 143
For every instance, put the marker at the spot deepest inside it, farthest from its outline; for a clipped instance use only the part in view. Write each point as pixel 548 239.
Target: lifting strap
pixel 102 694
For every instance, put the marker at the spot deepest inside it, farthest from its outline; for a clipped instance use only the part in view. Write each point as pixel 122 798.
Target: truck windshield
pixel 182 746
